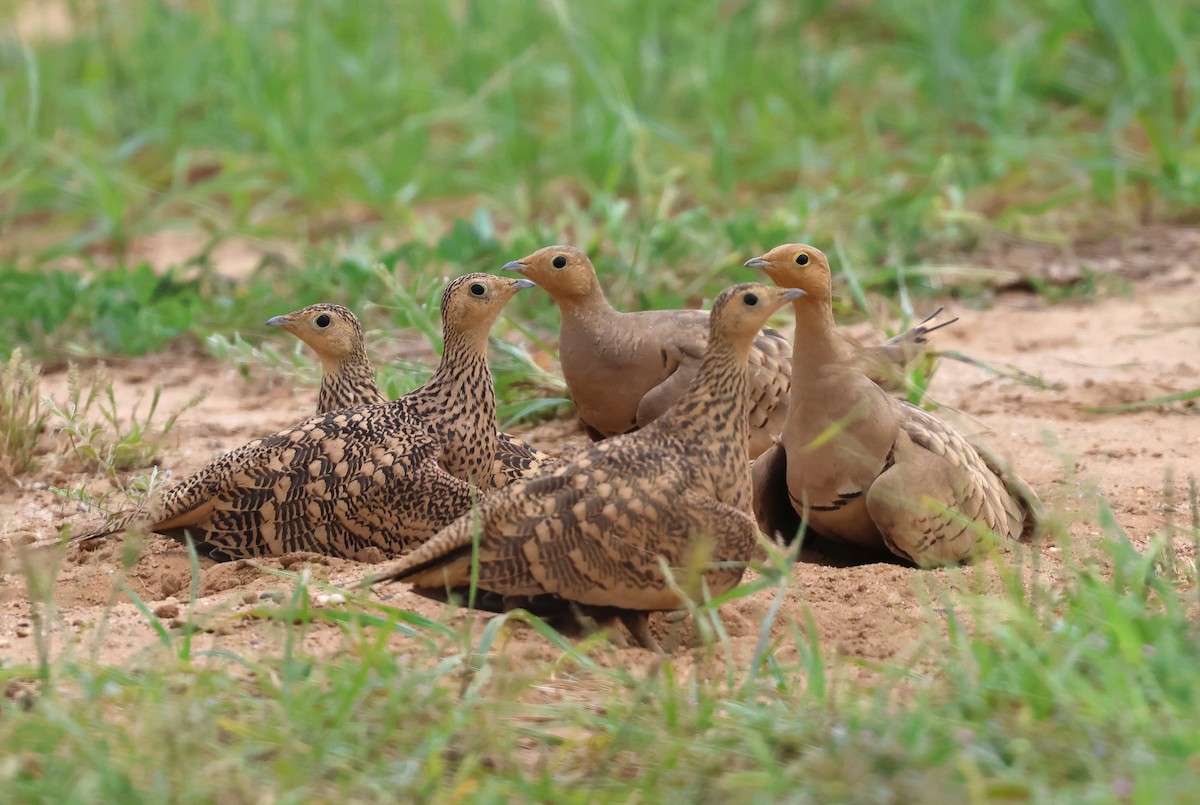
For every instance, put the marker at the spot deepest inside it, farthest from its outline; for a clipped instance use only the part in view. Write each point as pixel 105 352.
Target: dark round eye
pixel 751 299
pixel 802 259
pixel 477 289
pixel 559 261
pixel 323 320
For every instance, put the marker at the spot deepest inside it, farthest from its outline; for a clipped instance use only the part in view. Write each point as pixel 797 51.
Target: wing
pixel 885 363
pixel 656 401
pixel 933 505
pixel 334 484
pixel 516 459
pixel 574 504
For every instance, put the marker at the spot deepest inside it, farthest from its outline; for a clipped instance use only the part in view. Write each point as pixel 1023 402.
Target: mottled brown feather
pixel 595 530
pixel 384 476
pixel 348 381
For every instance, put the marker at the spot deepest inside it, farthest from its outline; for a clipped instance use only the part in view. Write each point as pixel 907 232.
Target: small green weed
pixel 101 437
pixel 22 415
pixel 1076 685
pixel 264 361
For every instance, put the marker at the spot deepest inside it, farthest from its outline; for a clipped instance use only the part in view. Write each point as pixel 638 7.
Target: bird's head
pixel 472 303
pixel 795 265
pixel 740 311
pixel 564 272
pixel 331 330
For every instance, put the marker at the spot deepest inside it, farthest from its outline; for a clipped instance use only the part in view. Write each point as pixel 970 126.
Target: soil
pixel 1113 350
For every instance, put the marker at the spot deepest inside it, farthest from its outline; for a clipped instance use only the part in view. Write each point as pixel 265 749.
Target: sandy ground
pixel 1115 350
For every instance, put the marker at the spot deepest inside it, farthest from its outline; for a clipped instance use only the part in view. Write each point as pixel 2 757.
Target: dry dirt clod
pixel 167 610
pixel 22 538
pixel 169 584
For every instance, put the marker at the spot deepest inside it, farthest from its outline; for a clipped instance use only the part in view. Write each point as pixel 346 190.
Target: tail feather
pixel 114 526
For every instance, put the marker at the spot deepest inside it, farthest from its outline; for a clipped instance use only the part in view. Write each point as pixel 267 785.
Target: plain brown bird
pixel 348 381
pixel 624 370
pixel 384 476
pixel 862 467
pixel 596 530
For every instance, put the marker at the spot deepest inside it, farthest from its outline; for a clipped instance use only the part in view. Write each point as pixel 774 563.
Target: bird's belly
pixel 827 486
pixel 851 523
pixel 607 399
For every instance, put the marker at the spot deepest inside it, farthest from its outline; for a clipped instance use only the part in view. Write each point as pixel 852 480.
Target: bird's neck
pixel 816 343
pixel 588 311
pixel 459 401
pixel 714 406
pixel 347 383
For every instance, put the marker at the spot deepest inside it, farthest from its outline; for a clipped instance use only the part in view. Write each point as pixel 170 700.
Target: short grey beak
pixel 794 293
pixel 515 265
pixel 756 262
pixel 277 321
pixel 522 283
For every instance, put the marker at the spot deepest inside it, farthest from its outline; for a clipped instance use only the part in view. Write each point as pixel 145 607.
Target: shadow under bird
pixel 624 370
pixel 595 531
pixel 381 477
pixel 863 467
pixel 348 381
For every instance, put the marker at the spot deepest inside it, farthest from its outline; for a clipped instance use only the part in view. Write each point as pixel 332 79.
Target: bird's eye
pixel 477 289
pixel 751 299
pixel 559 261
pixel 323 320
pixel 802 259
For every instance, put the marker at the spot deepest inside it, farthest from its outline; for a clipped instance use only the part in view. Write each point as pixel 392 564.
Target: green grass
pixel 890 126
pixel 1081 690
pixel 22 415
pixel 397 144
pixel 672 142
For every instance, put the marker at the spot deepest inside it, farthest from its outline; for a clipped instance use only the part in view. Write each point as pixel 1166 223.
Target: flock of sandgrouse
pixel 708 429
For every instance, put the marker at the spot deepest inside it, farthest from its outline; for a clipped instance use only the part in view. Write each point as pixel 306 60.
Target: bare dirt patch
pixel 1111 351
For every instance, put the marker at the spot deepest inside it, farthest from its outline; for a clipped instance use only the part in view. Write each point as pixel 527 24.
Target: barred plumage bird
pixel 625 369
pixel 594 531
pixel 348 381
pixel 862 467
pixel 384 476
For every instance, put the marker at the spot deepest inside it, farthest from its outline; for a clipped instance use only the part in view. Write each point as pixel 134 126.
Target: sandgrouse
pixel 862 467
pixel 348 380
pixel 333 332
pixel 594 531
pixel 385 476
pixel 625 369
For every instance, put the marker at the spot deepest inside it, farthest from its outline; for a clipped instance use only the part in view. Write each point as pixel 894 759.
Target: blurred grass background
pixel 365 150
pixel 672 140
